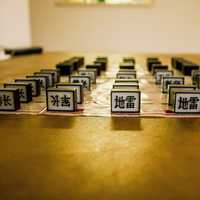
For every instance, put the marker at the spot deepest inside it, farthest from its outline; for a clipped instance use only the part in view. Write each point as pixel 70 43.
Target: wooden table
pixel 48 157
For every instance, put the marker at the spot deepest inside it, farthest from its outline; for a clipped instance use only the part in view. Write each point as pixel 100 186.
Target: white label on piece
pixel 50 77
pixel 33 85
pixel 125 101
pixel 60 101
pixel 84 80
pixel 126 76
pixel 43 83
pixel 54 72
pixel 187 102
pixel 171 80
pixel 160 74
pixel 78 90
pixel 89 73
pixel 7 100
pixel 22 91
pixel 173 90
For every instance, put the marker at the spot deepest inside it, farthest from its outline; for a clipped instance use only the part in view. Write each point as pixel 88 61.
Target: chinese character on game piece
pixel 5 100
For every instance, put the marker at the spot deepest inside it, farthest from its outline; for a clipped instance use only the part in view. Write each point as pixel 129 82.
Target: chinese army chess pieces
pixel 156 67
pixel 151 62
pixel 178 88
pixel 9 99
pixel 127 70
pixel 59 99
pixel 160 73
pixel 188 67
pixel 85 80
pixel 77 86
pixel 103 61
pixel 124 85
pixel 35 85
pixel 75 62
pixel 129 60
pixel 198 81
pixel 50 76
pixel 175 80
pixel 50 81
pixel 66 68
pixel 127 81
pixel 125 101
pixel 126 75
pixel 187 102
pixel 183 65
pixel 127 65
pixel 43 80
pixel 56 74
pixel 81 60
pixel 25 91
pixel 96 66
pixel 175 61
pixel 195 78
pixel 89 72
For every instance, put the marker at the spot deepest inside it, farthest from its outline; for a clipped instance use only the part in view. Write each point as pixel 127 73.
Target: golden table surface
pixel 48 157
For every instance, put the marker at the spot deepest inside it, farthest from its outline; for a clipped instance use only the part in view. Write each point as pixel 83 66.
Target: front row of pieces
pixel 125 94
pixel 22 90
pixel 182 98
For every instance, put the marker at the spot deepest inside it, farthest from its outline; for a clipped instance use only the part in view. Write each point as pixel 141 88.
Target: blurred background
pixel 164 26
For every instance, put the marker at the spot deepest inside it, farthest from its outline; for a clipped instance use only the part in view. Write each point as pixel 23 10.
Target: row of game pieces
pixel 187 68
pixel 125 94
pixel 22 90
pixel 182 98
pixel 183 65
pixel 67 67
pixel 68 95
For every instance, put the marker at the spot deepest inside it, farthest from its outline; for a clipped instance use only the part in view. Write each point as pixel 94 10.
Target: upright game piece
pixel 126 75
pixel 43 80
pixel 49 75
pixel 35 85
pixel 125 101
pixel 56 74
pixel 127 81
pixel 89 72
pixel 85 80
pixel 77 86
pixel 175 80
pixel 194 76
pixel 187 102
pixel 177 88
pixel 9 99
pixel 25 91
pixel 159 74
pixel 126 86
pixel 59 99
pixel 96 66
pixel 156 67
pixel 127 66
